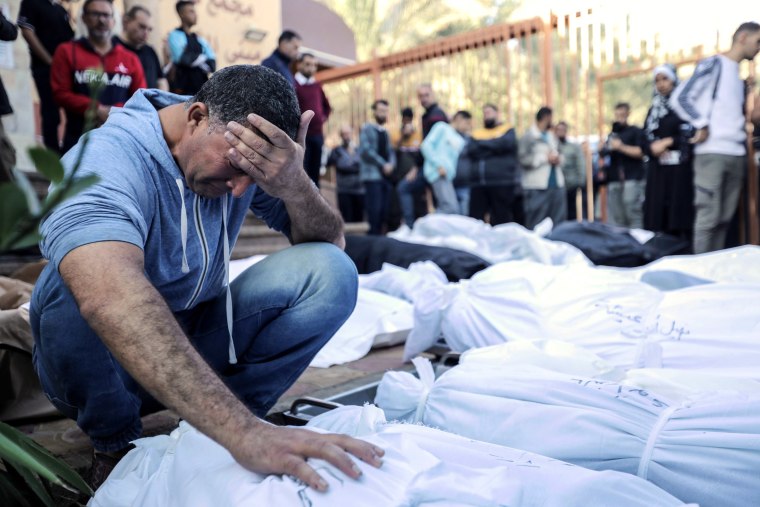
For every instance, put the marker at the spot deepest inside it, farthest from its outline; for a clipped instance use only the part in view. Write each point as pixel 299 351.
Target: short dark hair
pixel 749 26
pixel 464 114
pixel 302 56
pixel 562 123
pixel 131 13
pixel 407 112
pixel 232 93
pixel 543 113
pixel 490 105
pixel 379 101
pixel 182 3
pixel 88 2
pixel 623 105
pixel 287 35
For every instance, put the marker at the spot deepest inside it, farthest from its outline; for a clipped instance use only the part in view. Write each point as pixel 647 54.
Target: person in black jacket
pixel 669 201
pixel 8 32
pixel 495 175
pixel 45 25
pixel 345 160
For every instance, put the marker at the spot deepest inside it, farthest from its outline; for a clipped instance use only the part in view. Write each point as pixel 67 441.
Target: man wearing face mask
pixel 625 173
pixel 74 68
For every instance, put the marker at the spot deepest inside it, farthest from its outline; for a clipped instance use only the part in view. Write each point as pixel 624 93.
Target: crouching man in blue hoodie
pixel 135 311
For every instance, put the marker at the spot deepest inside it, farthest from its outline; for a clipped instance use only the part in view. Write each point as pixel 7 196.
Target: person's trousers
pixel 503 204
pixel 7 156
pixel 49 111
pixel 572 208
pixel 463 196
pixel 376 199
pixel 717 184
pixel 625 203
pixel 445 196
pixel 285 308
pixel 540 204
pixel 408 192
pixel 312 158
pixel 351 207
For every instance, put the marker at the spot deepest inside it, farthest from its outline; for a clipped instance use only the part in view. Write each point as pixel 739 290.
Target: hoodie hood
pixel 142 198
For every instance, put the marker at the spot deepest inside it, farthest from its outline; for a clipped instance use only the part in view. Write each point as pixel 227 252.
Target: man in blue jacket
pixel 286 53
pixel 135 309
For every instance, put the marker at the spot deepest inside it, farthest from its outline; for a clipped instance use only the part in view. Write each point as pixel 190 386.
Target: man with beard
pixel 285 53
pixel 377 162
pixel 311 97
pixel 137 28
pixel 74 68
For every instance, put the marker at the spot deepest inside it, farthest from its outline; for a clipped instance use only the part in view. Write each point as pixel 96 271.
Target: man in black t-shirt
pixel 137 26
pixel 45 25
pixel 624 171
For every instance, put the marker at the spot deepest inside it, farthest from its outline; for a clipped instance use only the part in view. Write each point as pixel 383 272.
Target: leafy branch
pixel 21 210
pixel 24 464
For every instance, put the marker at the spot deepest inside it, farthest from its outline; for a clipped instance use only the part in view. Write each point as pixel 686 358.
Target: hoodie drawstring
pixel 233 355
pixel 186 267
pixel 183 224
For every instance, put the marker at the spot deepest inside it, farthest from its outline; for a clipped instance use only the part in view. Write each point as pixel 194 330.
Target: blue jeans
pixel 285 309
pixel 377 198
pixel 463 196
pixel 406 191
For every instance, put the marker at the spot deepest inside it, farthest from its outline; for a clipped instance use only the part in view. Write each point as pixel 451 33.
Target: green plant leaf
pixel 25 186
pixel 13 211
pixel 32 238
pixel 47 162
pixel 10 493
pixel 17 448
pixel 35 484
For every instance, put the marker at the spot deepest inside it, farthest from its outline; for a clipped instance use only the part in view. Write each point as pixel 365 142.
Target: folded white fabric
pixel 713 327
pixel 731 265
pixel 700 442
pixel 379 320
pixel 495 244
pixel 404 283
pixel 422 466
pixel 524 300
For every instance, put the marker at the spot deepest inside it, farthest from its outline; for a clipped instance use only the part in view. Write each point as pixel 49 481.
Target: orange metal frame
pixel 448 46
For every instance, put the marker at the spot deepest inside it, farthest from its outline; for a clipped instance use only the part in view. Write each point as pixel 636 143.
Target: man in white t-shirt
pixel 713 102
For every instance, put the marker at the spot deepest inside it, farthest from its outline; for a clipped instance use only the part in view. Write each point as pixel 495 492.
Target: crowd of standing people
pixel 681 174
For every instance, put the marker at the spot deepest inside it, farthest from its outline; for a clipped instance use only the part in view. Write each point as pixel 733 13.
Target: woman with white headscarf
pixel 669 204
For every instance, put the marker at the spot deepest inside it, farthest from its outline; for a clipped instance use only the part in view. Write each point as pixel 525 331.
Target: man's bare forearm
pixel 35 45
pixel 312 218
pixel 139 329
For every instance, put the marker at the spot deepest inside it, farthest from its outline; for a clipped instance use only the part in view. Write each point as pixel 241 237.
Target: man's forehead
pixel 101 4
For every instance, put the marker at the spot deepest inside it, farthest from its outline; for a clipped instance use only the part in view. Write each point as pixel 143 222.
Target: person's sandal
pixel 103 464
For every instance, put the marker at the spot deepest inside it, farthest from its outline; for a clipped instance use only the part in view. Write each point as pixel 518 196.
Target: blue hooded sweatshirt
pixel 142 198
